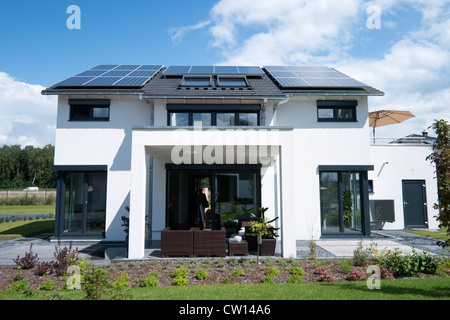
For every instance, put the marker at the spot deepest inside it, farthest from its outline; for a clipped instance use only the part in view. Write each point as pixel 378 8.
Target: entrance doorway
pixel 414 203
pixel 233 194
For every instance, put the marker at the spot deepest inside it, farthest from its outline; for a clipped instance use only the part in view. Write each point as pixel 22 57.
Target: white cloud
pixel 179 33
pixel 413 71
pixel 26 116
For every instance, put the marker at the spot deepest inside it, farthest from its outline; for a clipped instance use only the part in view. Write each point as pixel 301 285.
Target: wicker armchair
pixel 209 242
pixel 177 242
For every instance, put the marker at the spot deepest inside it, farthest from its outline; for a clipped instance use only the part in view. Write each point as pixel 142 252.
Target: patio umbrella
pixel 385 117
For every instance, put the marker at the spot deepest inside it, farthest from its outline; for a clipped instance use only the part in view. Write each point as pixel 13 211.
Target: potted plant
pixel 265 234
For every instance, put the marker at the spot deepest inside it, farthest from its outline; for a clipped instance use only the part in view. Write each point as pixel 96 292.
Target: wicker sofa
pixel 177 242
pixel 209 242
pixel 193 242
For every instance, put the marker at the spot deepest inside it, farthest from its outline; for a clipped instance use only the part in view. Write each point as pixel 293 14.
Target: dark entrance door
pixel 414 203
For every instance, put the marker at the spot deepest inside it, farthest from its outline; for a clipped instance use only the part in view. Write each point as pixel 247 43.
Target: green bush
pixel 96 283
pixel 47 285
pixel 150 281
pixel 238 272
pixel 122 281
pixel 19 286
pixel 201 274
pixel 297 271
pixel 180 281
pixel 272 271
pixel 295 279
pixel 267 280
pixel 406 265
pixel 180 272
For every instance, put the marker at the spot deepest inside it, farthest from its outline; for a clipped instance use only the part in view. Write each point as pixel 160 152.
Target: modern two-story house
pixel 293 139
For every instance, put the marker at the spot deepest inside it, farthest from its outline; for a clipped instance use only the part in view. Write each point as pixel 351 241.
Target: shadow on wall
pixel 115 229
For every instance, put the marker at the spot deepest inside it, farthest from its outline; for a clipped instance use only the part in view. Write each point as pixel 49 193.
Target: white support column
pixel 287 196
pixel 138 190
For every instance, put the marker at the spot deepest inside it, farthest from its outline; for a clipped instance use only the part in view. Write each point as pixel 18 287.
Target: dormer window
pixel 234 81
pixel 197 81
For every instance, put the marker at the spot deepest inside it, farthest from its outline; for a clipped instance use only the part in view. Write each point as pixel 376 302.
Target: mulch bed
pixel 218 269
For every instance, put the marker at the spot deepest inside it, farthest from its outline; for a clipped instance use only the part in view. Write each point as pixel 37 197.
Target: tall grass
pixel 27 200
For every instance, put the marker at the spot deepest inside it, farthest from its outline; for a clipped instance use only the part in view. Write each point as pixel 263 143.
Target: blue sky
pixel 407 58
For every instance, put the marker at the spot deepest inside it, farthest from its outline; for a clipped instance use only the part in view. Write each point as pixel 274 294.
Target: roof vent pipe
pixel 275 106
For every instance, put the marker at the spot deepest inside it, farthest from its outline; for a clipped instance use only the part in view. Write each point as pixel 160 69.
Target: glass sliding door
pixel 341 199
pixel 233 196
pixel 82 203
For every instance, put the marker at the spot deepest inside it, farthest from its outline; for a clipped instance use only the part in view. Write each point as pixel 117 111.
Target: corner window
pixel 336 111
pixel 89 110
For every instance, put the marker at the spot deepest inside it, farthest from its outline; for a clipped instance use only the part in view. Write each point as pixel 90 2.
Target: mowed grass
pixel 440 234
pixel 28 209
pixel 25 228
pixel 399 289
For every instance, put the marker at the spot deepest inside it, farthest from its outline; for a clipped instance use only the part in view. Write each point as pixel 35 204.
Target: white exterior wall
pixel 103 143
pixel 319 143
pixel 394 163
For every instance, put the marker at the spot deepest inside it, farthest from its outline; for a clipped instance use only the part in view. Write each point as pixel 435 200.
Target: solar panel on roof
pixel 202 69
pixel 311 76
pixel 177 70
pixel 245 70
pixel 113 75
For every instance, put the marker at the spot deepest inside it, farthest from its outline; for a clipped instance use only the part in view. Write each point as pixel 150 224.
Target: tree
pixel 441 158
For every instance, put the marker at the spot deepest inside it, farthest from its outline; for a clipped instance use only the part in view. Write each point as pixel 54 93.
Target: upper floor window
pixel 196 81
pixel 234 81
pixel 336 111
pixel 213 115
pixel 89 110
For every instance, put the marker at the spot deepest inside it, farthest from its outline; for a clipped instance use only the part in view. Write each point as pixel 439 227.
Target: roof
pixel 270 82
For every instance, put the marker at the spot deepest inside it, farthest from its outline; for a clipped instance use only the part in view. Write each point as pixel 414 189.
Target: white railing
pixel 401 141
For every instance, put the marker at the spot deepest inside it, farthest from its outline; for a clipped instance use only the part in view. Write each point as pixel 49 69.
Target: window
pixel 344 200
pixel 81 204
pixel 89 110
pixel 336 111
pixel 196 81
pixel 232 81
pixel 213 115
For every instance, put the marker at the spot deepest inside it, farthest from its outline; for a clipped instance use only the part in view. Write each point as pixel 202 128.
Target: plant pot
pixel 267 247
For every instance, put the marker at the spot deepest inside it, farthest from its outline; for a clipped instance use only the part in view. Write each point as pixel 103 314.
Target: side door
pixel 414 203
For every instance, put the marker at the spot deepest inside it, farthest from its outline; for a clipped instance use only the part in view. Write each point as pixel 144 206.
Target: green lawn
pixel 399 289
pixel 440 234
pixel 28 209
pixel 25 228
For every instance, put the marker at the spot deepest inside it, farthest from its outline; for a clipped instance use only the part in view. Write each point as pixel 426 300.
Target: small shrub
pixel 201 274
pixel 238 272
pixel 180 272
pixel 356 275
pixel 28 261
pixel 64 258
pixel 272 271
pixel 320 270
pixel 267 280
pixel 180 281
pixel 345 265
pixel 360 255
pixel 150 281
pixel 225 280
pixel 326 278
pixel 96 284
pixel 122 281
pixel 386 273
pixel 281 262
pixel 47 285
pixel 44 268
pixel 19 286
pixel 233 262
pixel 295 279
pixel 297 271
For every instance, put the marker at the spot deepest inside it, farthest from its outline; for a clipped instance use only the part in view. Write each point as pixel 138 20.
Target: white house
pixel 293 139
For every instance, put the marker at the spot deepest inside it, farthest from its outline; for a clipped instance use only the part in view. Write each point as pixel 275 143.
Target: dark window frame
pixel 364 189
pixel 184 79
pixel 214 117
pixel 337 105
pixel 224 84
pixel 89 104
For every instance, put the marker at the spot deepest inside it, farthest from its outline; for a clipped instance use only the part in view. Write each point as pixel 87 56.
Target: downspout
pixel 275 106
